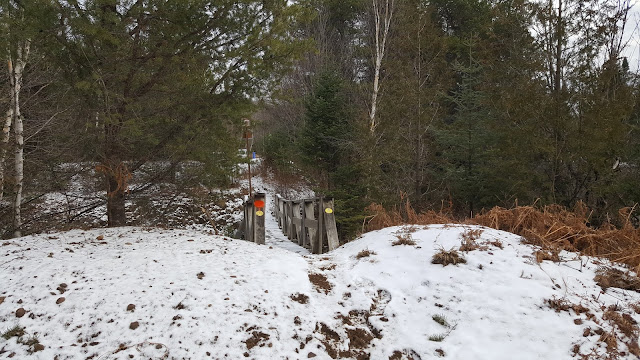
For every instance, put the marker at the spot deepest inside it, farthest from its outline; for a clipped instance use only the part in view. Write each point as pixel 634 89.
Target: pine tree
pixel 465 139
pixel 158 76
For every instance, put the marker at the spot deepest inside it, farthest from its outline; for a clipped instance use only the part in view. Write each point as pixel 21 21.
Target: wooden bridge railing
pixel 252 224
pixel 308 222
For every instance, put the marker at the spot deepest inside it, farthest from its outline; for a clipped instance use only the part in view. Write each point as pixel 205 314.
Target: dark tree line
pixel 480 103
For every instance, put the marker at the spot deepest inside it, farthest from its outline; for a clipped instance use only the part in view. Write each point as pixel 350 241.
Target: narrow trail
pixel 273 233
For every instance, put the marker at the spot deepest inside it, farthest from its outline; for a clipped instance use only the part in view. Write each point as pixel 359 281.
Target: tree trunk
pixel 4 144
pixel 382 24
pixel 116 214
pixel 117 176
pixel 16 73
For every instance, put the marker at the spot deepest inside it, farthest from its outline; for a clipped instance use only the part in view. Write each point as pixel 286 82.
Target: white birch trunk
pixel 4 144
pixel 382 23
pixel 16 84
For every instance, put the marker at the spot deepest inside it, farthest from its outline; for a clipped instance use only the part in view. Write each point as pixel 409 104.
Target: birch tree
pixel 4 145
pixel 17 46
pixel 15 79
pixel 382 15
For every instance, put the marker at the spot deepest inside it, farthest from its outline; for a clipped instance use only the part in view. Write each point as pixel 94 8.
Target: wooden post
pixel 258 218
pixel 297 221
pixel 330 225
pixel 279 212
pixel 309 215
pixel 249 220
pixel 302 239
pixel 317 246
pixel 292 225
pixel 285 222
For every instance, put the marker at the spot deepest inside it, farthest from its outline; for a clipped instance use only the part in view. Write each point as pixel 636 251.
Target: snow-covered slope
pixel 197 296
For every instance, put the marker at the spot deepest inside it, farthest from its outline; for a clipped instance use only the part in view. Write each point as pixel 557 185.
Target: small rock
pixel 62 288
pixel 100 237
pixel 20 312
pixel 134 325
pixel 131 307
pixel 200 275
pixel 311 355
pixel 38 347
pixel 60 300
pixel 2 299
pixel 20 301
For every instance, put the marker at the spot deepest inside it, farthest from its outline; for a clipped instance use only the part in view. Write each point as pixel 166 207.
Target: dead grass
pixel 468 245
pixel 365 253
pixel 445 258
pixel 564 305
pixel 551 227
pixel 404 239
pixel 611 277
pixel 542 255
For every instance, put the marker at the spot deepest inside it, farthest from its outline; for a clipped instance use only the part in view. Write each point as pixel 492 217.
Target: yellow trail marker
pixel 259 213
pixel 328 210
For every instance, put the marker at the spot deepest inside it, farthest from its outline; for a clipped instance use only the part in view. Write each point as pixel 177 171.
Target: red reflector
pixel 259 203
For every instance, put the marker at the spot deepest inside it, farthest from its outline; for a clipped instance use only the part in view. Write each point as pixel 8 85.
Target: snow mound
pixel 180 294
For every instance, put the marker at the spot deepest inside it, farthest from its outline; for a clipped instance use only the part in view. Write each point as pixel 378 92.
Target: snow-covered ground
pixel 147 293
pixel 158 293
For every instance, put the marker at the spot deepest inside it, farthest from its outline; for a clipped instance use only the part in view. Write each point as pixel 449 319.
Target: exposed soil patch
pixel 301 298
pixel 257 338
pixel 359 338
pixel 320 282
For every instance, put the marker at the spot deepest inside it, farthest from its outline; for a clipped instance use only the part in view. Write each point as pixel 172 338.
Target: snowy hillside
pixel 173 294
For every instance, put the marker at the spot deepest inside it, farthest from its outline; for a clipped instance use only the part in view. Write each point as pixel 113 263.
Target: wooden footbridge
pixel 310 223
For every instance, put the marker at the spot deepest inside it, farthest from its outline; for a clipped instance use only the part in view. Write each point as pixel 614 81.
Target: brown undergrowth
pixel 552 227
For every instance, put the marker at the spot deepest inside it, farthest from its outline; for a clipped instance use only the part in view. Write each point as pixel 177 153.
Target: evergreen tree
pixel 466 140
pixel 326 144
pixel 160 77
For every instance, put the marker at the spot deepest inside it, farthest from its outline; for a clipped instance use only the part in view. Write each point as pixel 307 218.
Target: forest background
pixel 449 105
